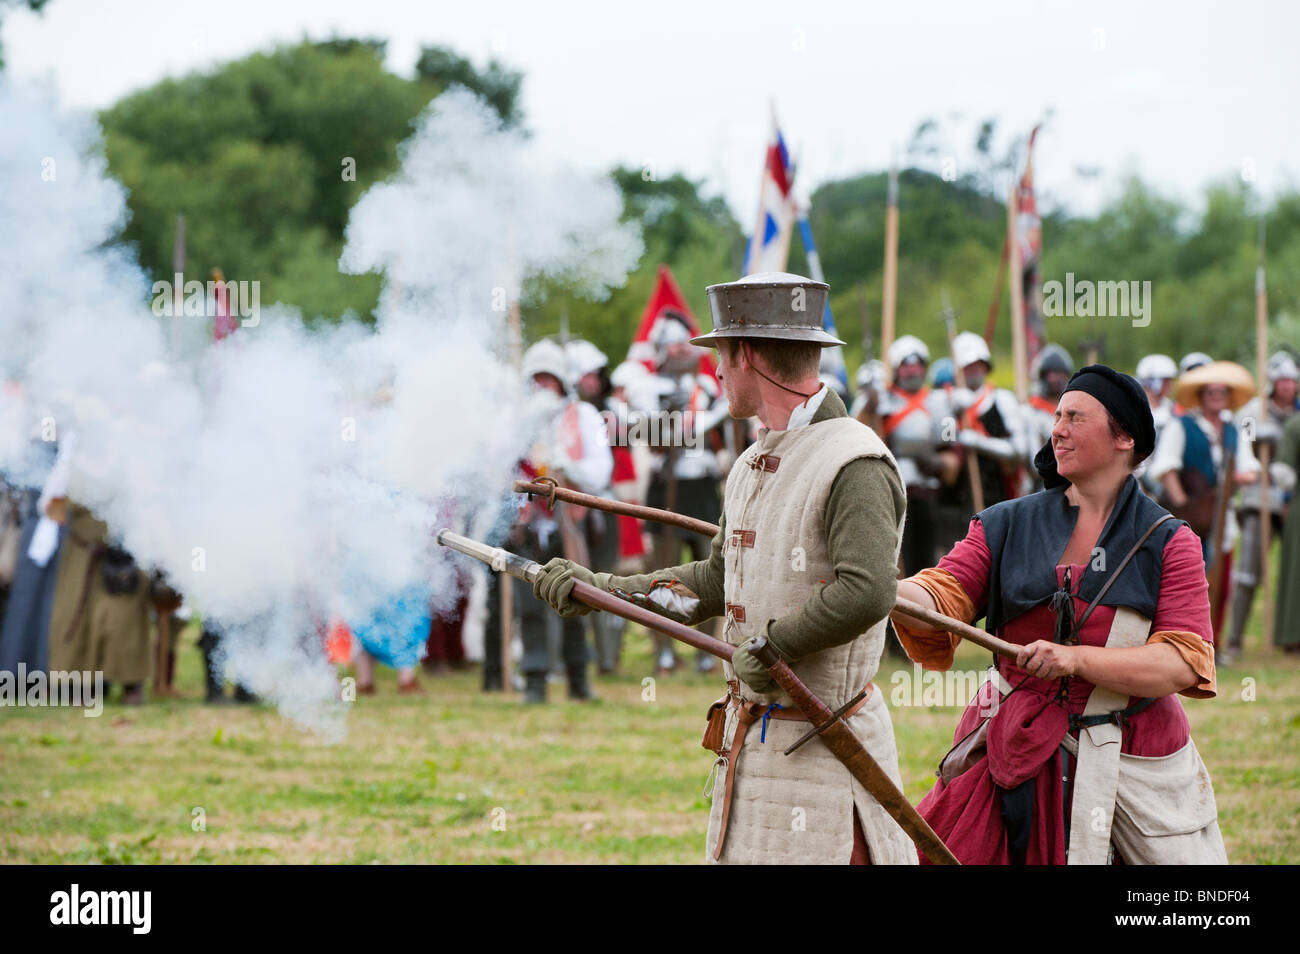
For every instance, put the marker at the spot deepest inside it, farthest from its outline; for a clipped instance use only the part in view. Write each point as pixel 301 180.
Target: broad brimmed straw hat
pixel 1240 384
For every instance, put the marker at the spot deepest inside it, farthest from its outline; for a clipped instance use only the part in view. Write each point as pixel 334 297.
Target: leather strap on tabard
pixel 747 713
pixel 1096 772
pixel 1110 581
pixel 743 538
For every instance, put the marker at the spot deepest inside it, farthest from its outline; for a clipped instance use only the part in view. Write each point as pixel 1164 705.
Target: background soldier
pixel 1157 373
pixel 100 619
pixel 1286 622
pixel 1051 372
pixel 1194 457
pixel 913 418
pixel 24 637
pixel 573 449
pixel 1267 427
pixel 870 382
pixel 991 422
pixel 1190 362
pixel 590 370
pixel 684 469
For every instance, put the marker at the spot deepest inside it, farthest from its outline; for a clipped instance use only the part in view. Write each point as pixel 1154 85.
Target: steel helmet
pixel 968 347
pixel 775 305
pixel 547 357
pixel 1282 365
pixel 908 346
pixel 1052 358
pixel 584 357
pixel 1194 360
pixel 1156 367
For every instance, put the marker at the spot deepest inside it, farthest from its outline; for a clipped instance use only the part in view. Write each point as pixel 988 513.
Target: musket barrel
pixel 702 527
pixel 503 561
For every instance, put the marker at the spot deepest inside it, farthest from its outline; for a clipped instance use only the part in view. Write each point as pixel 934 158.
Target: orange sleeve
pixel 934 649
pixel 1197 653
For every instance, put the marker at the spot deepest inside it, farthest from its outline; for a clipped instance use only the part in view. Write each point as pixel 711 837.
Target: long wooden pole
pixel 178 271
pixel 1261 388
pixel 889 296
pixel 1016 278
pixel 1216 568
pixel 505 589
pixel 991 323
pixel 864 317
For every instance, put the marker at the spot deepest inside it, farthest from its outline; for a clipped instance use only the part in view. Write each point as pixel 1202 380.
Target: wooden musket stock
pixel 702 527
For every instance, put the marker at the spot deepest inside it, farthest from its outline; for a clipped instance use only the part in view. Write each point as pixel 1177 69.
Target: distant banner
pixel 769 246
pixel 1030 229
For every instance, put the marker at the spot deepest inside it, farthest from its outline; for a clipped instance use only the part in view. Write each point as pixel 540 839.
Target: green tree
pixel 497 85
pixel 265 157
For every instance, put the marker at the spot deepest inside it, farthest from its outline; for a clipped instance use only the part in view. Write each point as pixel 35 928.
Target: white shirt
pixel 1169 450
pixel 591 472
pixel 802 415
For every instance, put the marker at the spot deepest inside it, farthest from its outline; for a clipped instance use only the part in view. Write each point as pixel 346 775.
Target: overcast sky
pixel 1180 92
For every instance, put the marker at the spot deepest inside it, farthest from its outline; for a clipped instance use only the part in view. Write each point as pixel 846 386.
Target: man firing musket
pixel 806 556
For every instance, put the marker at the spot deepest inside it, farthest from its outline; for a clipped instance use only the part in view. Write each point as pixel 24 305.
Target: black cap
pixel 1124 398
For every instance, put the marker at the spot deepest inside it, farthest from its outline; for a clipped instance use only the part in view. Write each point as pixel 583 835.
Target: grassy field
pixel 460 776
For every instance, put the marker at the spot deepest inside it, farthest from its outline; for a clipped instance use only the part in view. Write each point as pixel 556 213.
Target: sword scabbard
pixel 848 748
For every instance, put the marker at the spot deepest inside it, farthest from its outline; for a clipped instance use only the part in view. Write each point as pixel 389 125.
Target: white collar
pixel 802 415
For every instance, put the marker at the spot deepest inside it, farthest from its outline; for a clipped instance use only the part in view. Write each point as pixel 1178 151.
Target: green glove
pixel 752 672
pixel 554 585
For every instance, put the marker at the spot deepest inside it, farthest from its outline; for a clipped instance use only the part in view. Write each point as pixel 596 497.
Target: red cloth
pixel 224 323
pixel 445 642
pixel 630 542
pixel 624 465
pixel 338 643
pixel 1028 726
pixel 666 294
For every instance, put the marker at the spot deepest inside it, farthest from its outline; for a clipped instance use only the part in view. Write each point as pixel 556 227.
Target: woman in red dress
pixel 1107 595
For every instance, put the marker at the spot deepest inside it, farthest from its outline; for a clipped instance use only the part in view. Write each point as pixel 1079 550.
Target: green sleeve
pixel 863 512
pixel 704 579
pixel 1290 450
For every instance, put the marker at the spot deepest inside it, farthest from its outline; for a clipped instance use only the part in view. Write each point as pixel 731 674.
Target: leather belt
pixel 747 713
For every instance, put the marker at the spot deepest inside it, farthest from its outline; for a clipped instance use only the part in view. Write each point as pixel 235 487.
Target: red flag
pixel 222 324
pixel 666 296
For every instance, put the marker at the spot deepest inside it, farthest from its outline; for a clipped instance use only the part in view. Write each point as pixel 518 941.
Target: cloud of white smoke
pixel 282 476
